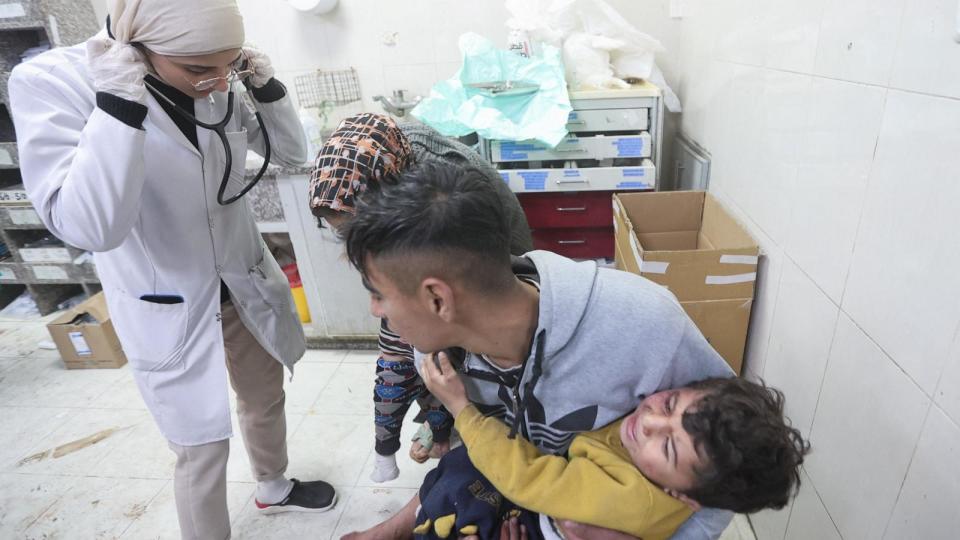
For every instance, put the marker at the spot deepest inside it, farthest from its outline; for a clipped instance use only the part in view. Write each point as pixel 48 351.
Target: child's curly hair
pixel 753 455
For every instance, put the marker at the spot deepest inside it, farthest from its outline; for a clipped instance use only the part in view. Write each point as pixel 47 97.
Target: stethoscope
pixel 220 129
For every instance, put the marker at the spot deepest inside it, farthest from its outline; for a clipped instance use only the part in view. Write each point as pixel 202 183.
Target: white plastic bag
pixel 544 21
pixel 600 47
pixel 586 59
pixel 634 58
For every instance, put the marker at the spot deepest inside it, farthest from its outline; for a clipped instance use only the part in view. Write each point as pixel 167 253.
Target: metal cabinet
pixel 614 145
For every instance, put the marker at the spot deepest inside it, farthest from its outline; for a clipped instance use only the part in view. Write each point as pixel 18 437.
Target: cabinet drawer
pixel 639 178
pixel 576 243
pixel 567 210
pixel 609 120
pixel 571 148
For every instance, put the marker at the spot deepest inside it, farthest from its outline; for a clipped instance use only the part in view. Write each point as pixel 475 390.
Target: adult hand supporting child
pixel 443 381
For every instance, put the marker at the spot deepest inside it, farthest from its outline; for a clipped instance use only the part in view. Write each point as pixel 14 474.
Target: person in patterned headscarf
pixel 366 152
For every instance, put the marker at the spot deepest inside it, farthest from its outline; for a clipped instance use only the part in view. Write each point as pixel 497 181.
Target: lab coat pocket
pixel 152 335
pixel 238 150
pixel 270 281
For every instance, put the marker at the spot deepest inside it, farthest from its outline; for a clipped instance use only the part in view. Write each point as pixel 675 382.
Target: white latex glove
pixel 260 64
pixel 117 68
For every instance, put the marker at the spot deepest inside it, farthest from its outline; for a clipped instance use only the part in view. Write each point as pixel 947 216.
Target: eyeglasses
pixel 237 73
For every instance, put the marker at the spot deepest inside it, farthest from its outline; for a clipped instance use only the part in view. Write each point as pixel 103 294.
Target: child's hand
pixel 444 383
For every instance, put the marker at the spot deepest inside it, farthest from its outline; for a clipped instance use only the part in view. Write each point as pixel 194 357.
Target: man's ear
pixel 439 298
pixel 694 505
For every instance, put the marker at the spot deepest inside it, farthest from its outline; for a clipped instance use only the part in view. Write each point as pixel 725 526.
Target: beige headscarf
pixel 178 27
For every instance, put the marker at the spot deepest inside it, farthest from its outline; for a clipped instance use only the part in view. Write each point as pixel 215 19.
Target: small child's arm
pixel 593 487
pixel 596 488
pixel 444 383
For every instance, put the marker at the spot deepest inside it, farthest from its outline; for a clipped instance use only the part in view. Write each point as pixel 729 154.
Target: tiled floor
pixel 121 486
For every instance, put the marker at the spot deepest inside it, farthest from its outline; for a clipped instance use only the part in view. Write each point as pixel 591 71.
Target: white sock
pixel 385 468
pixel 273 491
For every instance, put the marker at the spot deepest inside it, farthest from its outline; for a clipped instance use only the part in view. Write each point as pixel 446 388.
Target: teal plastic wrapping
pixel 455 109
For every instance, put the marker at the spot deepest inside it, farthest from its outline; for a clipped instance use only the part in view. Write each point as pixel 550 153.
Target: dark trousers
pixel 456 488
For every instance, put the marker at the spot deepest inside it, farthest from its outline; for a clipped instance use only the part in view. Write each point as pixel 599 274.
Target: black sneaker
pixel 317 496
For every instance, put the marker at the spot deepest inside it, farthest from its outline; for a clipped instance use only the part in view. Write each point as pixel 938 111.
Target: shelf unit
pixel 614 145
pixel 49 272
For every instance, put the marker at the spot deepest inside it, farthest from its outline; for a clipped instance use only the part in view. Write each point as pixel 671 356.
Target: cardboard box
pixel 724 323
pixel 85 336
pixel 687 242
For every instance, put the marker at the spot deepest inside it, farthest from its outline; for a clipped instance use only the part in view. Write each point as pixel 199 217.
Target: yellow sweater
pixel 596 484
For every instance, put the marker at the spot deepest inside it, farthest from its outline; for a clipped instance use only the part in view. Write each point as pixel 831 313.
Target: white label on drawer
pixel 729 280
pixel 49 272
pixel 9 11
pixel 654 267
pixel 5 157
pixel 58 255
pixel 79 344
pixel 739 259
pixel 28 216
pixel 7 274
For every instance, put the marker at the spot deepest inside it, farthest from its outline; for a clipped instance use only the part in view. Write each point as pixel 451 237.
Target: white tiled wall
pixel 833 126
pixel 356 33
pixel 409 44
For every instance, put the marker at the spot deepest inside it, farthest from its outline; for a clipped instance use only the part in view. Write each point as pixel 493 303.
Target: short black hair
pixel 753 454
pixel 443 219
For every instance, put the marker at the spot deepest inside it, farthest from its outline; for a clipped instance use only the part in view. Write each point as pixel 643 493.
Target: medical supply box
pixel 85 337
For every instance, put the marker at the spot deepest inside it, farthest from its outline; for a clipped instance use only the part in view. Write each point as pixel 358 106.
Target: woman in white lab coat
pixel 114 163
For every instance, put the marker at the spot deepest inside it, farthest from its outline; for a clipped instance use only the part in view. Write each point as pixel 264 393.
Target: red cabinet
pixel 575 224
pixel 576 243
pixel 562 210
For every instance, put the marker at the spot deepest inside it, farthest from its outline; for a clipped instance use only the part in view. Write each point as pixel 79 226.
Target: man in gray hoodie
pixel 363 154
pixel 552 346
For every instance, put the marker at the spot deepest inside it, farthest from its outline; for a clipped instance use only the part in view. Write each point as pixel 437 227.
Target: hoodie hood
pixel 565 290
